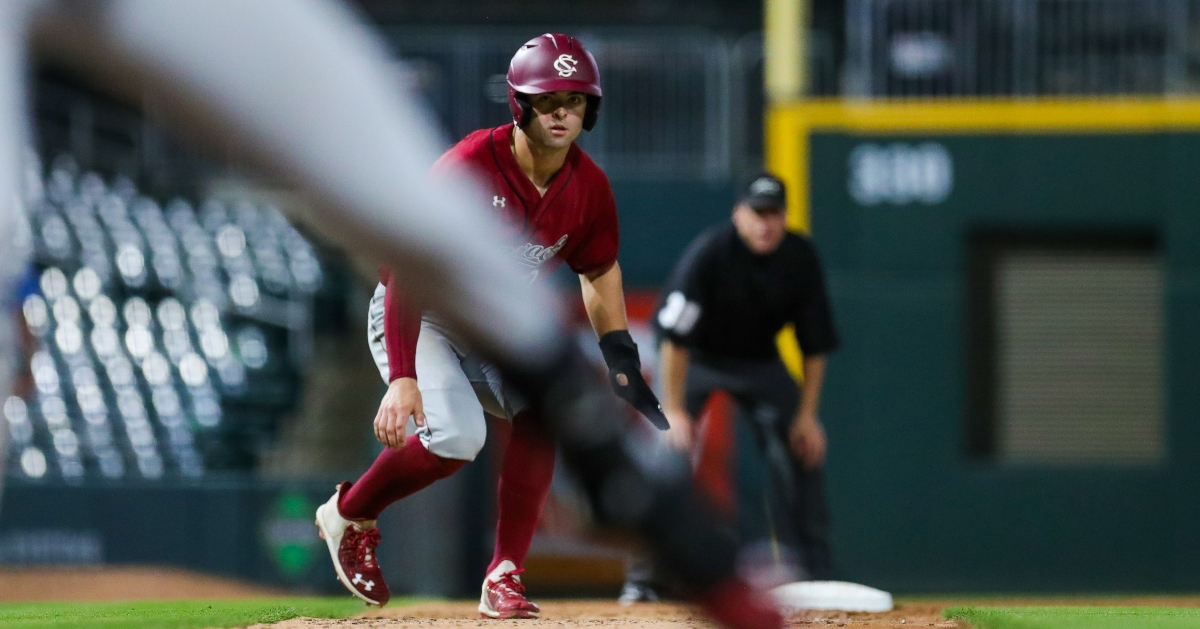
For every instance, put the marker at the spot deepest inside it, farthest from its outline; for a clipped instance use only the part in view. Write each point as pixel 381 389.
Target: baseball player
pixel 737 285
pixel 559 202
pixel 304 87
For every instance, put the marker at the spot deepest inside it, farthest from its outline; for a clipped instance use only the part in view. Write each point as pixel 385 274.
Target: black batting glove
pixel 625 375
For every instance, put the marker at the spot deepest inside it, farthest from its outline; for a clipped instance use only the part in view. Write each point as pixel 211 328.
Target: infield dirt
pixel 132 583
pixel 603 614
pixel 593 613
pixel 120 583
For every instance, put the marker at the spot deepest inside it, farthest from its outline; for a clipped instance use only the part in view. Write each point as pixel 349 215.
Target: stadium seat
pixel 149 323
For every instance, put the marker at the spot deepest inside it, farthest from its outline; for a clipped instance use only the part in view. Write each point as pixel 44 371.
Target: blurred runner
pixel 555 198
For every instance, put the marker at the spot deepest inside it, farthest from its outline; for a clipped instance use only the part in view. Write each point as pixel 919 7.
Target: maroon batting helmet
pixel 551 63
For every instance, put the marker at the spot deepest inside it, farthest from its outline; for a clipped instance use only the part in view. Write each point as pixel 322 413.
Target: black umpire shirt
pixel 724 301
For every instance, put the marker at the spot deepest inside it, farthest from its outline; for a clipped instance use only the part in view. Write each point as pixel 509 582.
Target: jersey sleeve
pixel 682 303
pixel 599 250
pixel 813 318
pixel 401 329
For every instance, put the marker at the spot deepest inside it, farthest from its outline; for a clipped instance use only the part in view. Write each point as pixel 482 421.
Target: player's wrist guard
pixel 625 376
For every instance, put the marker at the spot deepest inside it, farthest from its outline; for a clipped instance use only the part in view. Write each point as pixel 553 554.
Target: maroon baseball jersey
pixel 574 222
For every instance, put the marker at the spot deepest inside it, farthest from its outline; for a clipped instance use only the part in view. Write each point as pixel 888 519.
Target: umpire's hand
pixel 680 434
pixel 402 400
pixel 807 438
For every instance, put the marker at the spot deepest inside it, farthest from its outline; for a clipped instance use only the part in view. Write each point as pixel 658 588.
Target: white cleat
pixel 503 594
pixel 352 548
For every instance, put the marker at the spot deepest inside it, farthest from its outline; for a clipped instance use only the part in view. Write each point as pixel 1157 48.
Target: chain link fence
pixel 935 48
pixel 677 104
pixel 686 104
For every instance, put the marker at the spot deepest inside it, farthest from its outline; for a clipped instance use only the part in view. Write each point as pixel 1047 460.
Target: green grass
pixel 198 614
pixel 1078 617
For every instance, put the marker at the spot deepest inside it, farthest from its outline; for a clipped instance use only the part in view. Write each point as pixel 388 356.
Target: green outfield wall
pixel 917 507
pixel 659 219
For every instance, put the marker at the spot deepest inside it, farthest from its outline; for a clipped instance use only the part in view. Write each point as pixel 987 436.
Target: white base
pixel 831 595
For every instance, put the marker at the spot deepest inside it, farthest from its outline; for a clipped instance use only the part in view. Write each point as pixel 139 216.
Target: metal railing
pixel 679 104
pixel 687 103
pixel 932 48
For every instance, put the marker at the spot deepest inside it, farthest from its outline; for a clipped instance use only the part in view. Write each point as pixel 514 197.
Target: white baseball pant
pixel 457 387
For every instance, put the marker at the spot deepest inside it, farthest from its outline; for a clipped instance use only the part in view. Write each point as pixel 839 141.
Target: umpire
pixel 735 288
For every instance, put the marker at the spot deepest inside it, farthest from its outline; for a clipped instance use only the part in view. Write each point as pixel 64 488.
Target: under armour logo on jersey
pixel 498 201
pixel 359 580
pixel 565 64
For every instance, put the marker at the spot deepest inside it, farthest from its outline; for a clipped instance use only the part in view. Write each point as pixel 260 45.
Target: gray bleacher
pixel 150 322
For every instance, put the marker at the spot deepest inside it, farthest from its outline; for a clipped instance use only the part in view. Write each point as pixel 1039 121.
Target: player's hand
pixel 402 400
pixel 679 435
pixel 807 438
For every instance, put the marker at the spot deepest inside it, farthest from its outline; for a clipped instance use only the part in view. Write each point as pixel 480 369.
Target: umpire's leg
pixel 809 521
pixel 640 569
pixel 812 526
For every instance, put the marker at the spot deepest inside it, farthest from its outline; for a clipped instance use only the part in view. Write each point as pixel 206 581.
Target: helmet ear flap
pixel 592 114
pixel 526 110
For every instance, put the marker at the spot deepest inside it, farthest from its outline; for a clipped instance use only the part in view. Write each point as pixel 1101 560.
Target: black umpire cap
pixel 765 192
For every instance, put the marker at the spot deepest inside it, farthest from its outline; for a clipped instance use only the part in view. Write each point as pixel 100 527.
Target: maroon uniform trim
pixel 401 328
pixel 575 222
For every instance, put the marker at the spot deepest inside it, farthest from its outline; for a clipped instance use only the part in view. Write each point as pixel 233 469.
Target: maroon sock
pixel 525 478
pixel 394 475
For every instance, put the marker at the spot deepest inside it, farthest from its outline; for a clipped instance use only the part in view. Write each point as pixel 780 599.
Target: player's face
pixel 762 231
pixel 557 118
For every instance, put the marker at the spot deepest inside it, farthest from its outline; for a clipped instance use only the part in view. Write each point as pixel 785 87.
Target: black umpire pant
pixel 767 398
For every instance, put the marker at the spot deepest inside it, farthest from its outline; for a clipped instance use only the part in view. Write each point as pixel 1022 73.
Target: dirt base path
pixel 110 583
pixel 909 614
pixel 603 614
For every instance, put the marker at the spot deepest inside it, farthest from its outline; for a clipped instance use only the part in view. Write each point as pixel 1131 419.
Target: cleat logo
pixel 359 580
pixel 498 201
pixel 565 64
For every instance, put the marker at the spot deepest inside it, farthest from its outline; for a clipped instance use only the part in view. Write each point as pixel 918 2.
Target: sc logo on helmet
pixel 565 64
